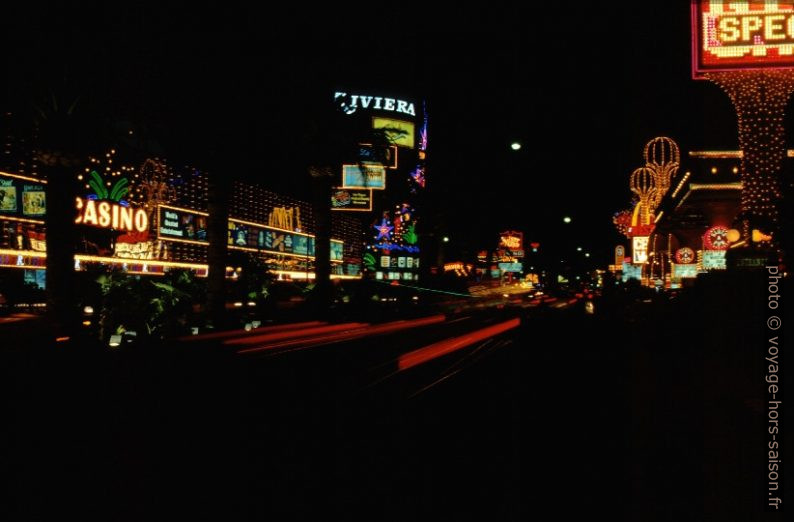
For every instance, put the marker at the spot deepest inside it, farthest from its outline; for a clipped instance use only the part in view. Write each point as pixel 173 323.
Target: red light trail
pixel 432 351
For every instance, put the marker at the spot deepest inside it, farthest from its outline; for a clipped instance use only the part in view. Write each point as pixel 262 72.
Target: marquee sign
pixel 681 271
pixel 739 35
pixel 713 260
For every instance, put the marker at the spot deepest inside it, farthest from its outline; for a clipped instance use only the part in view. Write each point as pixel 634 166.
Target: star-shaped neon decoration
pixel 383 229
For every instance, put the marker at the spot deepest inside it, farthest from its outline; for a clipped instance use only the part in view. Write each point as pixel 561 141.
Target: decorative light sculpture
pixel 663 157
pixel 760 99
pixel 643 184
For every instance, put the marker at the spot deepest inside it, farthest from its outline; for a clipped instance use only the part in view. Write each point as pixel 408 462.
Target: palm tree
pixel 60 154
pixel 331 140
pixel 218 209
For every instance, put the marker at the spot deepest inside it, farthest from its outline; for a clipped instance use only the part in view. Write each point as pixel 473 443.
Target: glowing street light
pixel 445 239
pixel 566 219
pixel 578 249
pixel 515 145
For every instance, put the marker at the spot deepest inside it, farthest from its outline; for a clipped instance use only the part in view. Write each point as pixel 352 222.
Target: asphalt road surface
pixel 502 413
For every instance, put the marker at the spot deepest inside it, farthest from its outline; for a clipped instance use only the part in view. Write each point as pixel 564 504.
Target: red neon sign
pixel 729 35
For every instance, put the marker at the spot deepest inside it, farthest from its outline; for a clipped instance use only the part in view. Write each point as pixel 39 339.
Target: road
pixel 500 413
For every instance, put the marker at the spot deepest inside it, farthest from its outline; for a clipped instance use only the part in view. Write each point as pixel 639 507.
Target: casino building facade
pixel 689 227
pixel 152 218
pixel 149 217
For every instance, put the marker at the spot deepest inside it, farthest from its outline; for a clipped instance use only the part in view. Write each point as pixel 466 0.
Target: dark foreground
pixel 644 411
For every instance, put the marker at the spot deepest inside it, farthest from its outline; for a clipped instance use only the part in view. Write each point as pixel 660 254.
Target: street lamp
pixel 515 145
pixel 445 239
pixel 566 219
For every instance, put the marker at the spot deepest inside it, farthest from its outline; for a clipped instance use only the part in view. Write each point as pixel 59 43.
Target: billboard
pixel 245 235
pixel 639 249
pixel 22 197
pixel 351 199
pixel 399 132
pixel 511 267
pixel 728 36
pixel 688 270
pixel 368 177
pixel 181 224
pixel 713 260
pixel 387 157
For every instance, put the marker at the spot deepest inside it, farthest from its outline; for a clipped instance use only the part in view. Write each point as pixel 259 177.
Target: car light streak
pixel 432 351
pixel 351 333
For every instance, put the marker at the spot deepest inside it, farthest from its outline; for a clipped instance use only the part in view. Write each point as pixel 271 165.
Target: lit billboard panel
pixel 21 196
pixel 267 240
pixel 639 250
pixel 351 199
pixel 400 133
pixel 179 224
pixel 689 270
pixel 741 35
pixel 368 177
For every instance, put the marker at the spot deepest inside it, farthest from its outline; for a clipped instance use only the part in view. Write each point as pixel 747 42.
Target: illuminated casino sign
pixel 716 238
pixel 685 255
pixel 685 271
pixel 639 249
pixel 350 103
pixel 713 260
pixel 108 214
pixel 741 35
pixel 511 240
pixel 620 253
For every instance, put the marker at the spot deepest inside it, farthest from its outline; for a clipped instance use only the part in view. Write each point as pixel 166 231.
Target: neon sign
pixel 352 102
pixel 620 253
pixel 716 238
pixel 640 249
pixel 685 255
pixel 107 214
pixel 511 240
pixel 741 35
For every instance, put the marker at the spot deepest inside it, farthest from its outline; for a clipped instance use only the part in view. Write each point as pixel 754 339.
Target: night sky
pixel 582 88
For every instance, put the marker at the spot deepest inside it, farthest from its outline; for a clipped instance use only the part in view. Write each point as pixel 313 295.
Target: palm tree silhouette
pixel 60 153
pixel 332 139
